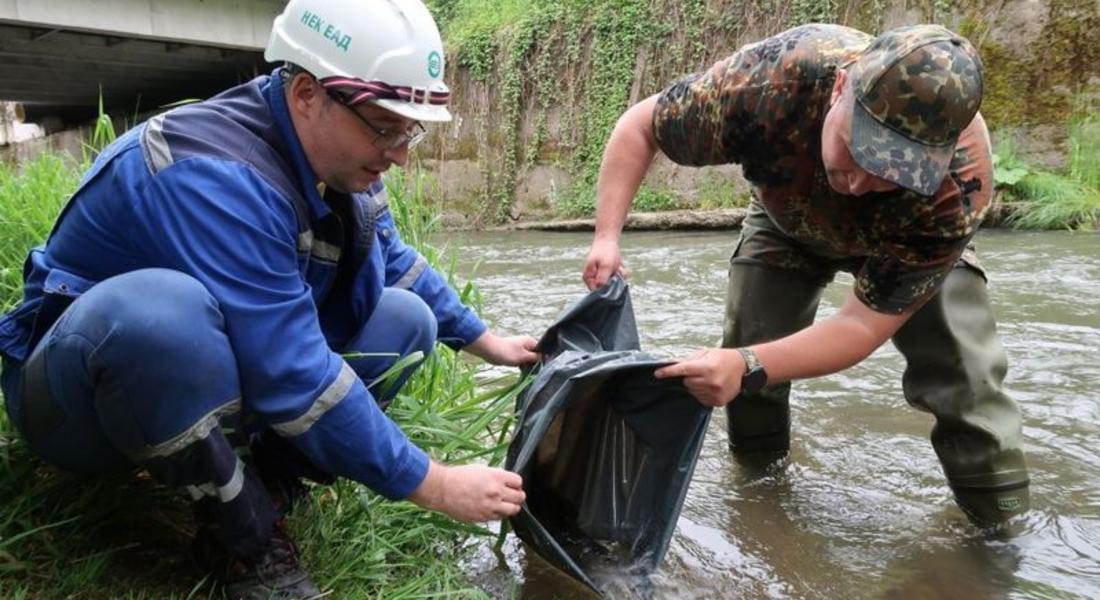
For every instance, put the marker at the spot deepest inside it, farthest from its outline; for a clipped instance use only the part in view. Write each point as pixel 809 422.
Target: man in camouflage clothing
pixel 866 155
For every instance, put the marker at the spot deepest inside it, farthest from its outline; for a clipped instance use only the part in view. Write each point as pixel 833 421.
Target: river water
pixel 860 508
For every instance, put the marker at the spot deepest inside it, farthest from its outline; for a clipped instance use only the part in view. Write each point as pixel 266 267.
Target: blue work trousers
pixel 139 371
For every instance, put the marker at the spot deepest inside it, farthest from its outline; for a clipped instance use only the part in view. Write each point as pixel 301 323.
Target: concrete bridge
pixel 57 57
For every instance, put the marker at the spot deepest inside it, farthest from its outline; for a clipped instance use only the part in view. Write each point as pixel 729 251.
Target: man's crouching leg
pixel 402 325
pixel 955 367
pixel 139 370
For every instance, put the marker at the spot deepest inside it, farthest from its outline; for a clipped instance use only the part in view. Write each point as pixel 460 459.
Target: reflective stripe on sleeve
pixel 410 276
pixel 157 154
pixel 332 396
pixel 317 250
pixel 325 252
pixel 305 240
pixel 379 203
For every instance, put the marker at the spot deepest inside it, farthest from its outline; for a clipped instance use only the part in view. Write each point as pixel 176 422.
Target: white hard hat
pixel 387 52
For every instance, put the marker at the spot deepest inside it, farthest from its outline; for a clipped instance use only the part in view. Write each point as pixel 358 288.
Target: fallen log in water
pixel 729 218
pixel 703 220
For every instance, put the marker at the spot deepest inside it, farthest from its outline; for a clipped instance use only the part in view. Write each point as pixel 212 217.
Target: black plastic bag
pixel 606 450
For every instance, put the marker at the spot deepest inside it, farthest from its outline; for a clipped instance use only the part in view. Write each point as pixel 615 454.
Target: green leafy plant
pixel 577 201
pixel 1047 200
pixel 649 199
pixel 1008 170
pixel 716 192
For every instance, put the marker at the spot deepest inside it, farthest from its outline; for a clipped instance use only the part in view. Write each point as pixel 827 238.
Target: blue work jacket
pixel 221 190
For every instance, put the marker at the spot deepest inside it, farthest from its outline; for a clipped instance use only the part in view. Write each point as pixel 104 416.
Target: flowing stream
pixel 859 509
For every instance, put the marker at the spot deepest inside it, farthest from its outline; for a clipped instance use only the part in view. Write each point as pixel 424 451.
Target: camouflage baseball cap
pixel 916 88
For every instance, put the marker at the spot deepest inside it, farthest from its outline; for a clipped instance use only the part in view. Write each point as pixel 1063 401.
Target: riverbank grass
pixel 124 536
pixel 30 199
pixel 1047 200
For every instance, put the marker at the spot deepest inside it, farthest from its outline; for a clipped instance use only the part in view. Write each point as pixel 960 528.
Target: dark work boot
pixel 282 467
pixel 275 574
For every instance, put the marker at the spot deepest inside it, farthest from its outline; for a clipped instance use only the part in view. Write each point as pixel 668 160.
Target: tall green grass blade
pixel 1054 200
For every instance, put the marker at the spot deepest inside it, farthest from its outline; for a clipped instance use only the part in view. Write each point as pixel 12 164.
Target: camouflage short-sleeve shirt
pixel 764 106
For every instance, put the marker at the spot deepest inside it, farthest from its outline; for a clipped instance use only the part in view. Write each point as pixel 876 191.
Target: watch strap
pixel 751 362
pixel 755 377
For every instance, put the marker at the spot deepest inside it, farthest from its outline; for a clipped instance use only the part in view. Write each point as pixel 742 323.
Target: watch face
pixel 754 381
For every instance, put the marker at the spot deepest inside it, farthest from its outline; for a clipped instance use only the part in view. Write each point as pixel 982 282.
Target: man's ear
pixel 838 86
pixel 304 95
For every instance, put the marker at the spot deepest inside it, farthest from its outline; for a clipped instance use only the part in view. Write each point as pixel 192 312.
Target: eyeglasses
pixel 388 139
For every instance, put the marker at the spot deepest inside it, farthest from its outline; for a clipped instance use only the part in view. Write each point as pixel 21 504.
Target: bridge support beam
pixel 239 24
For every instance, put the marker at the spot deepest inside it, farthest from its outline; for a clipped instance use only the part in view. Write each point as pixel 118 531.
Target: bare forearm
pixel 714 375
pixel 830 345
pixel 826 347
pixel 626 161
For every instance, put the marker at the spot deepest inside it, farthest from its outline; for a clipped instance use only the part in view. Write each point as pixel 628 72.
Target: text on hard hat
pixel 330 32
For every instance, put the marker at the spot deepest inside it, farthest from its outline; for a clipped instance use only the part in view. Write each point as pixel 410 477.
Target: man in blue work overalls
pixel 212 268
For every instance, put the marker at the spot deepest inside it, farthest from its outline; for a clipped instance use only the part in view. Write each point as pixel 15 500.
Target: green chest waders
pixel 955 366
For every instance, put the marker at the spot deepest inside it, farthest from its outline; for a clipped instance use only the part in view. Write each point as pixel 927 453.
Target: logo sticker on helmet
pixel 435 63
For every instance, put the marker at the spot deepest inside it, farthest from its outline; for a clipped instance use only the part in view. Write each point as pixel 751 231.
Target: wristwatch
pixel 755 377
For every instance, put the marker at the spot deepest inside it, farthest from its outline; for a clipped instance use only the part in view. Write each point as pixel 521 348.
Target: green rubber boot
pixel 763 304
pixel 955 369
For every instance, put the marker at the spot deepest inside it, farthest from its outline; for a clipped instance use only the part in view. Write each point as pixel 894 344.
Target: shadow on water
pixel 859 508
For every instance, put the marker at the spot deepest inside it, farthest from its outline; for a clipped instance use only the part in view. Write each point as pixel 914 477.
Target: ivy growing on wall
pixel 548 54
pixel 813 11
pixel 550 78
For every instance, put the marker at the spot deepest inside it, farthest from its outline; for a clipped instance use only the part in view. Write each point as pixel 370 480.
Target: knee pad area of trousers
pixel 406 310
pixel 157 313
